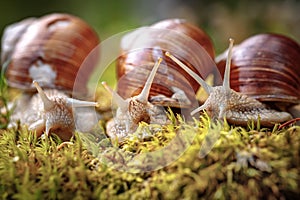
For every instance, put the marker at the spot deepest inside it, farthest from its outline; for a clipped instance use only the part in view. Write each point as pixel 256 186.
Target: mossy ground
pixel 244 163
pixel 182 160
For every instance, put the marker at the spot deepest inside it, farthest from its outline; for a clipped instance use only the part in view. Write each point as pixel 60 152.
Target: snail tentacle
pixel 78 103
pixel 48 104
pixel 143 96
pixel 202 107
pixel 122 103
pixel 226 80
pixel 203 84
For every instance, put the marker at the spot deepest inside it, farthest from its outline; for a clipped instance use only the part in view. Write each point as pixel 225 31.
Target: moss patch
pixel 243 163
pixel 182 160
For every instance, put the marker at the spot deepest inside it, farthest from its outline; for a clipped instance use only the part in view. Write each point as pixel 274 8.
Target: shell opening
pixel 48 104
pixel 226 80
pixel 203 84
pixel 143 96
pixel 122 104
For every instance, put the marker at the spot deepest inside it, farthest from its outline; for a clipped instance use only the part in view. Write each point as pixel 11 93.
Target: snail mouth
pixel 38 126
pixel 64 133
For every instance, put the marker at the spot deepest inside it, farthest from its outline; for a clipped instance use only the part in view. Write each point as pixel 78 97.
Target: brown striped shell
pixel 141 48
pixel 50 50
pixel 266 67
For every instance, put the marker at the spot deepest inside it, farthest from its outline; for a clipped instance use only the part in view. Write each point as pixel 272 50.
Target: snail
pixel 134 110
pixel 266 67
pixel 173 87
pixel 50 110
pixel 53 52
pixel 237 108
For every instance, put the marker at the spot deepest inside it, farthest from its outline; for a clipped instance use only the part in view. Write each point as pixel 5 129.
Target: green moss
pixel 196 160
pixel 4 111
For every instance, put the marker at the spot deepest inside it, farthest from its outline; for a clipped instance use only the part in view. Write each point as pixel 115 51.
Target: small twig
pixel 289 123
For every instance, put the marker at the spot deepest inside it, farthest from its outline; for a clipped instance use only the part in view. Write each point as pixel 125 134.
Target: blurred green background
pixel 220 19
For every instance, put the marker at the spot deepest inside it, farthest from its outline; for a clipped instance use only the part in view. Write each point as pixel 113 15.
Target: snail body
pixel 133 110
pixel 53 52
pixel 237 108
pixel 49 110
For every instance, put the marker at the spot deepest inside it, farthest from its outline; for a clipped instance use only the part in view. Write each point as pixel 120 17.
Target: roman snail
pixel 133 110
pixel 50 110
pixel 172 86
pixel 48 52
pixel 237 108
pixel 266 67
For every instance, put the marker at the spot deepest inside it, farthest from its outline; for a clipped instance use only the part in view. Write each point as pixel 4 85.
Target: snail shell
pixel 266 67
pixel 49 50
pixel 172 86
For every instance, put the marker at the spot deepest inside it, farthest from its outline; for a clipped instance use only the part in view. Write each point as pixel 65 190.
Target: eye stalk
pixel 48 104
pixel 226 80
pixel 122 103
pixel 203 84
pixel 143 96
